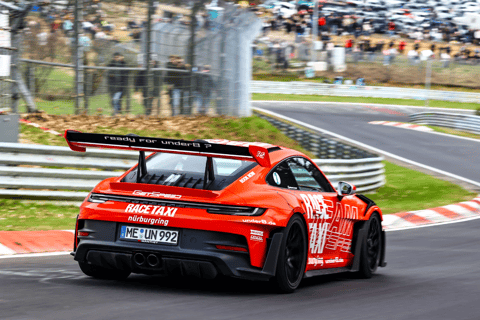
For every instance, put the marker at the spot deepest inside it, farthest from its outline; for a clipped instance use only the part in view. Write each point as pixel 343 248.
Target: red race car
pixel 202 208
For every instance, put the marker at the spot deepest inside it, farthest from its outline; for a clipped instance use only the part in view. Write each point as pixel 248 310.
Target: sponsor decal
pixel 165 142
pixel 239 143
pixel 256 235
pixel 336 260
pixel 315 261
pixel 276 178
pixel 270 223
pixel 156 194
pixel 151 221
pixel 329 229
pixel 151 210
pixel 248 176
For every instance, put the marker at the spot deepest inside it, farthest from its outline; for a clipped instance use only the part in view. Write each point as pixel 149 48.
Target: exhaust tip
pixel 139 259
pixel 153 260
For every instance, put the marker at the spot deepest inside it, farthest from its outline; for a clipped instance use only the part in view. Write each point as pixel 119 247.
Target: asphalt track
pixel 450 154
pixel 432 273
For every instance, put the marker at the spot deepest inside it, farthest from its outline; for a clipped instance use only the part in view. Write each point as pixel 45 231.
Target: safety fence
pixel 57 173
pixel 133 57
pixel 311 88
pixel 469 123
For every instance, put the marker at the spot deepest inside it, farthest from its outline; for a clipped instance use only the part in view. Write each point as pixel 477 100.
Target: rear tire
pixel 292 259
pixel 103 273
pixel 371 248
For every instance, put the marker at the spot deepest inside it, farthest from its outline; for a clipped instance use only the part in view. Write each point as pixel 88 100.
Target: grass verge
pixel 455 132
pixel 410 190
pixel 403 102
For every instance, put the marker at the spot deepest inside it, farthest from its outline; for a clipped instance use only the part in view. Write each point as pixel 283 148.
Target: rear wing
pixel 78 141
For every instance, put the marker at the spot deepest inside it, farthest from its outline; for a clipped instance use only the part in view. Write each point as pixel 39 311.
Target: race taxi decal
pixel 256 235
pixel 151 210
pixel 330 226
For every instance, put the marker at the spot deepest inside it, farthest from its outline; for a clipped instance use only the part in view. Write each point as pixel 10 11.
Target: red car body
pixel 235 231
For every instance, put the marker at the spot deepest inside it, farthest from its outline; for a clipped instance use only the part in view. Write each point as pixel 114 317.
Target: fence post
pixel 15 70
pixel 129 91
pixel 78 55
pixel 148 95
pixel 428 79
pixel 31 79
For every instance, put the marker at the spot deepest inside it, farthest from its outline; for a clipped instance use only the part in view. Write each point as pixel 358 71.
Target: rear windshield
pixel 189 171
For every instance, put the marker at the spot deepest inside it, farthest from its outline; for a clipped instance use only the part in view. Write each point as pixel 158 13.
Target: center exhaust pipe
pixel 139 259
pixel 153 260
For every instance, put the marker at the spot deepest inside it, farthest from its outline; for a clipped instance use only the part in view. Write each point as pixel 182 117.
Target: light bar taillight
pixel 231 248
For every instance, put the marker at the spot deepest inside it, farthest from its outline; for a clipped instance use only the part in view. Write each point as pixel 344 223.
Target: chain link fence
pixel 136 57
pixel 289 59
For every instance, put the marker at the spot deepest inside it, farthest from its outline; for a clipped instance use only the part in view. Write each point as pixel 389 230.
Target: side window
pixel 308 177
pixel 281 176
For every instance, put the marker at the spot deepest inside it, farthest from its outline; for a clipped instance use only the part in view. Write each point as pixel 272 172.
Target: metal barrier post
pixel 78 55
pixel 148 98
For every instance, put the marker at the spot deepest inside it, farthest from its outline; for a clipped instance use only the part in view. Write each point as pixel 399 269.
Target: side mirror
pixel 345 189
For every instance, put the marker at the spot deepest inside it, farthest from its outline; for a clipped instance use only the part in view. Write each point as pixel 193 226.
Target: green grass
pixel 404 102
pixel 455 132
pixel 409 190
pixel 18 215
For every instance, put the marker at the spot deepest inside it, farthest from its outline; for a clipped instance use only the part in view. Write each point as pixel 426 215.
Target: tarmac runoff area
pixel 44 243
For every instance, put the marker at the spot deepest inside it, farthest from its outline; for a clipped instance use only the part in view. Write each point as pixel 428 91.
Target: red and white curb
pixel 36 125
pixel 403 125
pixel 446 214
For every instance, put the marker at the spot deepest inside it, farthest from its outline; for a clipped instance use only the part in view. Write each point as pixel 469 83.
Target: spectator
pixel 141 85
pixel 204 89
pixel 413 57
pixel 176 78
pixel 401 46
pixel 117 81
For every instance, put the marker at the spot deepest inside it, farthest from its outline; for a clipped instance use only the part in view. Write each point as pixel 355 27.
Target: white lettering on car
pixel 147 209
pixel 151 221
pixel 248 176
pixel 156 194
pixel 328 229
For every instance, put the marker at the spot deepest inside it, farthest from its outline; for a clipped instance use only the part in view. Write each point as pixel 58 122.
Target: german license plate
pixel 148 235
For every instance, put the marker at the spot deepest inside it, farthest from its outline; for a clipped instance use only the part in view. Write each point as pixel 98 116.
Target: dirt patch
pixel 91 123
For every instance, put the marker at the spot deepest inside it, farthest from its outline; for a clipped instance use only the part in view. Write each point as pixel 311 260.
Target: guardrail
pixel 312 88
pixel 339 161
pixel 38 172
pixel 469 123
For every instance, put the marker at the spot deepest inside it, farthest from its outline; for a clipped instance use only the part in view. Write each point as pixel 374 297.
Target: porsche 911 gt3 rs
pixel 208 207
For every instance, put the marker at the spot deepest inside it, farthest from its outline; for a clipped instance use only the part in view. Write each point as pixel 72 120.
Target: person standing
pixel 117 81
pixel 141 85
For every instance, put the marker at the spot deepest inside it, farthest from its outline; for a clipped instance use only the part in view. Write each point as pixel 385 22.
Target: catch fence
pixel 91 57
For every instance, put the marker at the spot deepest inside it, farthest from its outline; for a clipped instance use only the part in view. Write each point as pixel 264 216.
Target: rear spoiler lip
pixel 250 153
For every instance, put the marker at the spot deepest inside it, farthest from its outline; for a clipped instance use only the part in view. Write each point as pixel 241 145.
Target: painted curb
pixel 403 125
pixel 21 243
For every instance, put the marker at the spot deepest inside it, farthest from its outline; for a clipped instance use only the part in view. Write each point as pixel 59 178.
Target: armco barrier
pixel 461 122
pixel 312 88
pixel 55 173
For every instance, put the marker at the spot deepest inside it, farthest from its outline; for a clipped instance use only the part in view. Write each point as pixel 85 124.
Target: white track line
pixel 35 255
pixel 363 145
pixel 399 106
pixel 5 250
pixel 431 224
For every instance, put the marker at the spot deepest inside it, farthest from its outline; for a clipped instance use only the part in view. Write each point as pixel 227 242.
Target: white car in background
pixel 285 9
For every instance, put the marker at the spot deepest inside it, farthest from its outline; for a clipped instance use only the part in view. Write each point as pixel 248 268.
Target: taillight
pixel 231 248
pixel 83 234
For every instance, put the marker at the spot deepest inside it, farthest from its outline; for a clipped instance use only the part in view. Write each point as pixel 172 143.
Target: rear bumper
pixel 195 255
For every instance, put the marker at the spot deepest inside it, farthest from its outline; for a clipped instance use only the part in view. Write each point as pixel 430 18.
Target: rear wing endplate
pixel 78 141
